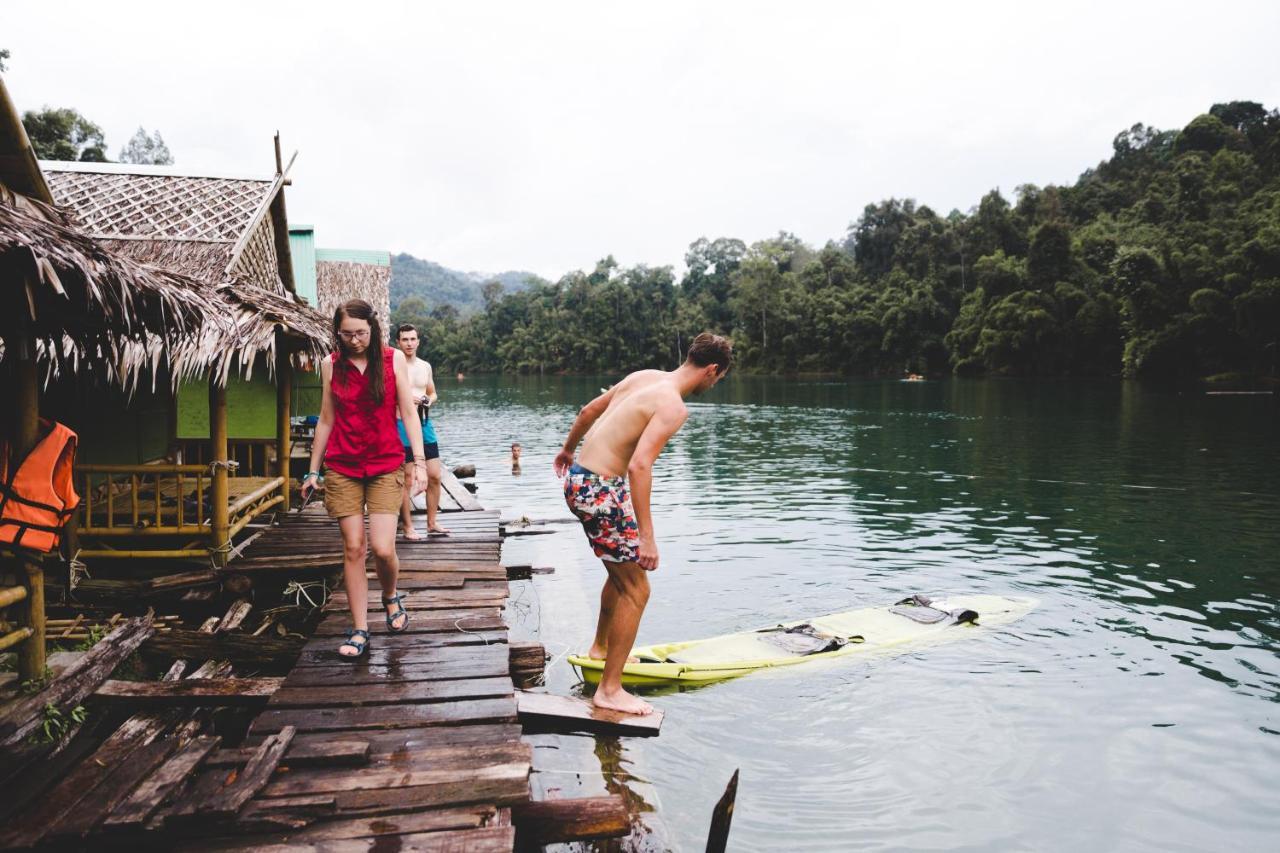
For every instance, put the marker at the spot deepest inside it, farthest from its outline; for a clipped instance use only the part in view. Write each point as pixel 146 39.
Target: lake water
pixel 1135 709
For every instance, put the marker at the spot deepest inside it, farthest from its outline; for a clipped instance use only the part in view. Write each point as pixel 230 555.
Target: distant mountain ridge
pixel 438 285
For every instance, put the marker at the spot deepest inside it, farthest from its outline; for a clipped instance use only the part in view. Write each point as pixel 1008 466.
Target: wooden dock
pixel 435 706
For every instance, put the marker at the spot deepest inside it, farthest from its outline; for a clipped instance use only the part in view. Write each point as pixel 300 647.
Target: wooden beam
pixel 458 492
pixel 545 712
pixel 579 819
pixel 22 717
pixel 284 400
pixel 195 693
pixel 26 433
pixel 237 648
pixel 335 753
pixel 156 788
pixel 227 799
pixel 220 528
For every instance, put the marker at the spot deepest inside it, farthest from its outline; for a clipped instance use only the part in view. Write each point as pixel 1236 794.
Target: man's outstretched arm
pixel 587 416
pixel 666 421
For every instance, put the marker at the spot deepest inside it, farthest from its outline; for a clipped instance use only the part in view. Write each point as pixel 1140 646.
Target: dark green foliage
pixel 1162 261
pixel 64 135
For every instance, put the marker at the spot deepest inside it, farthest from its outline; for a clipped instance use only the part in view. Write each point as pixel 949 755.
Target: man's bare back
pixel 611 441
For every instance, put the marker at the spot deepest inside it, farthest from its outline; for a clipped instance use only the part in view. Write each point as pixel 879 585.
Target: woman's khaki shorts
pixel 345 495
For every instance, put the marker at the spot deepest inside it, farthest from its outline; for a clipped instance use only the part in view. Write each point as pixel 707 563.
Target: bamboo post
pixel 220 529
pixel 284 397
pixel 31 659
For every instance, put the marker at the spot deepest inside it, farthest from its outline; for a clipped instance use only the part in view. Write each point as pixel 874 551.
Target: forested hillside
pixel 1162 261
pixel 437 286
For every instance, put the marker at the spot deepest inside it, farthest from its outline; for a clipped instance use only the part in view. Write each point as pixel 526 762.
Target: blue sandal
pixel 398 601
pixel 357 638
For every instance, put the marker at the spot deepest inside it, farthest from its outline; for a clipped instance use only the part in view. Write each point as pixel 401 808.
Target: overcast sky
pixel 545 135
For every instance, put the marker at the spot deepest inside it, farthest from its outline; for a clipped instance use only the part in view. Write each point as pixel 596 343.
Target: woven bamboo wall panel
pixel 110 205
pixel 338 281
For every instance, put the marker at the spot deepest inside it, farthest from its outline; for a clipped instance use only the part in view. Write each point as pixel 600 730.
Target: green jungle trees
pixel 1163 261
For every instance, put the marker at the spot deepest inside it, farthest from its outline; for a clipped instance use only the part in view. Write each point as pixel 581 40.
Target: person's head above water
pixel 712 355
pixel 407 339
pixel 516 450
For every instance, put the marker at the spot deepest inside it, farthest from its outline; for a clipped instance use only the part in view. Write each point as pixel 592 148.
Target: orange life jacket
pixel 37 494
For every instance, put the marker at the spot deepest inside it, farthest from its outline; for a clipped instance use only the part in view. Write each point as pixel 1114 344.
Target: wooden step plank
pixel 544 711
pixel 323 651
pixel 199 692
pixel 237 648
pixel 499 792
pixel 411 692
pixel 423 664
pixel 386 716
pixel 426 768
pixel 160 785
pixel 492 839
pixel 454 488
pixel 408 741
pixel 545 822
pixel 422 622
pixel 325 753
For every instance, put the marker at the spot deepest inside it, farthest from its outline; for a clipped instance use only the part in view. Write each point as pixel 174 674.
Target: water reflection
pixel 1136 708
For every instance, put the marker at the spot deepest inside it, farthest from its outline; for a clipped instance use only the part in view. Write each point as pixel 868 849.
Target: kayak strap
pixel 805 639
pixel 919 608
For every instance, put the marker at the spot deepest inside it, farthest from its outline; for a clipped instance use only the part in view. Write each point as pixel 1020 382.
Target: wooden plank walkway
pixel 435 704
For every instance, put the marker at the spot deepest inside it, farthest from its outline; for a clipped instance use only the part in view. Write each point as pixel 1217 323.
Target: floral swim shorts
pixel 603 505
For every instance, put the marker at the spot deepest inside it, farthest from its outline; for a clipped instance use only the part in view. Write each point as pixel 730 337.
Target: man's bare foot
pixel 621 700
pixel 411 534
pixel 437 530
pixel 597 653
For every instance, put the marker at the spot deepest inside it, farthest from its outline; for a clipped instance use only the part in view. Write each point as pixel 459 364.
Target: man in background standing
pixel 423 384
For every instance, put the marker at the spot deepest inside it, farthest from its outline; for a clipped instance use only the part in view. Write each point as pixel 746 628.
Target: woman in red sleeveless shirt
pixel 364 383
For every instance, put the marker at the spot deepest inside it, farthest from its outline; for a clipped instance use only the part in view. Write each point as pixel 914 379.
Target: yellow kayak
pixel 911 623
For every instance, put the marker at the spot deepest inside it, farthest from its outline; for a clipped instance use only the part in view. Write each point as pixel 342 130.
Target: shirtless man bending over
pixel 626 428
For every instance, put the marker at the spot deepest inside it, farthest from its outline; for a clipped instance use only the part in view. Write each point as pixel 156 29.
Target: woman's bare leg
pixel 357 586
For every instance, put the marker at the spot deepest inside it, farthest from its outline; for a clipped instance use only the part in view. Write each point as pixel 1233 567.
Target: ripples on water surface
pixel 1136 708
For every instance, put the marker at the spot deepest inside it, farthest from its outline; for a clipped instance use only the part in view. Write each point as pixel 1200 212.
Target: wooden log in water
pixel 579 819
pixel 464 470
pixel 722 817
pixel 545 712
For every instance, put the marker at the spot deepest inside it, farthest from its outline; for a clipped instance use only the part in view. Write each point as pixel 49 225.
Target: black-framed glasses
pixel 354 336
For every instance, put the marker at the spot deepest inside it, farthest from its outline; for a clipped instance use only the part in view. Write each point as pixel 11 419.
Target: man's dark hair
pixel 711 349
pixel 404 327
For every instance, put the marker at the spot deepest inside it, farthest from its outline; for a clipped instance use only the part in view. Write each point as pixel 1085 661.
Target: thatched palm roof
pixel 343 275
pixel 87 307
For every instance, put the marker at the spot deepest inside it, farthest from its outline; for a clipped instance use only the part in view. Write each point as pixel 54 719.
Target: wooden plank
pixel 386 716
pixel 722 817
pixel 490 761
pixel 459 492
pixel 401 742
pixel 115 789
pixel 425 622
pixel 327 753
pixel 219 794
pixel 579 819
pixel 392 694
pixel 23 716
pixel 491 839
pixel 237 648
pixel 204 692
pixel 254 778
pixel 460 817
pixel 160 785
pixel 411 665
pixel 235 616
pixel 501 791
pixel 323 651
pixel 543 711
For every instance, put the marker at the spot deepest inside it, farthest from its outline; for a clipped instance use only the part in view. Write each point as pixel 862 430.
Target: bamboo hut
pixel 179 475
pixel 67 304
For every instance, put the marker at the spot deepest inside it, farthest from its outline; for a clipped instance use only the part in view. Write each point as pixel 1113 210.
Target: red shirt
pixel 364 441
